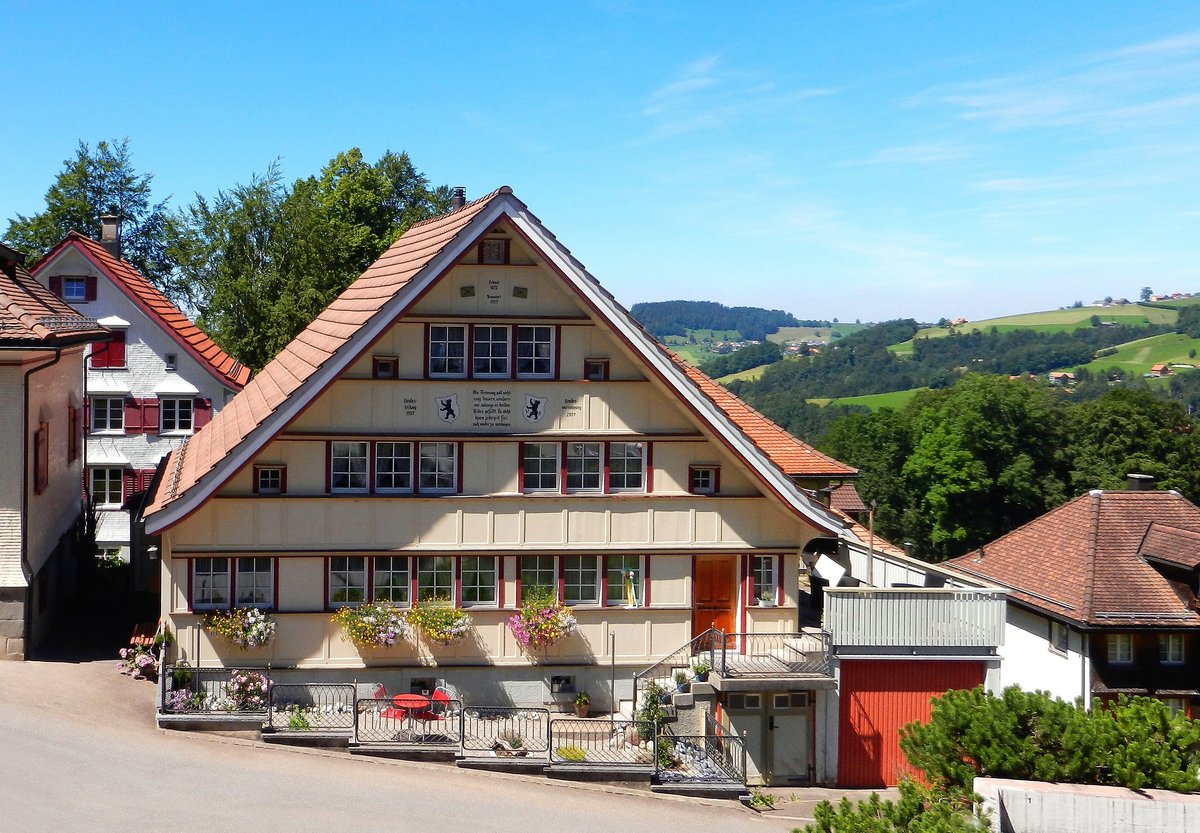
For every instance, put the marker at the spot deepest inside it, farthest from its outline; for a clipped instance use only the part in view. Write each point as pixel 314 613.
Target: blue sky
pixel 851 160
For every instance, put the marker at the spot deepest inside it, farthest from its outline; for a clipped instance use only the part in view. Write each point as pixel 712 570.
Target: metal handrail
pixel 310 706
pixel 379 721
pixel 682 658
pixel 775 654
pixel 505 731
pixel 714 759
pixel 601 742
pixel 206 690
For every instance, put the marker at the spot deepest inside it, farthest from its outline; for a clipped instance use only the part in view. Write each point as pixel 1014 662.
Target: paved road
pixel 79 751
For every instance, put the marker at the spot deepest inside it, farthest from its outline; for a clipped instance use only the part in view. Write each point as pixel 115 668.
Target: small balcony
pixel 914 621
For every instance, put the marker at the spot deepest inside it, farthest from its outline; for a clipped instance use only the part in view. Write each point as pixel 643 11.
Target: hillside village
pixel 475 485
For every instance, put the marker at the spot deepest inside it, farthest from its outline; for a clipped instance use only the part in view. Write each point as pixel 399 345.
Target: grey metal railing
pixel 774 654
pixel 917 617
pixel 187 690
pixel 303 707
pixel 705 648
pixel 708 758
pixel 438 726
pixel 612 742
pixel 506 731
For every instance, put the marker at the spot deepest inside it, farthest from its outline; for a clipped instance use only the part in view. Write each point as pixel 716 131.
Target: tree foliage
pixel 920 809
pixel 1135 743
pixel 95 182
pixel 262 260
pixel 666 318
pixel 1188 322
pixel 753 355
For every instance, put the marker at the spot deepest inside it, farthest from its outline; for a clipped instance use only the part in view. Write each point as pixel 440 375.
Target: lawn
pixel 830 333
pixel 895 400
pixel 748 375
pixel 1138 356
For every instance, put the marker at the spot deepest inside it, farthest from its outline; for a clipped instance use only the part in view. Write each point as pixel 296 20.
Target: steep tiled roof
pixel 795 458
pixel 144 294
pixel 416 249
pixel 31 314
pixel 328 332
pixel 1082 560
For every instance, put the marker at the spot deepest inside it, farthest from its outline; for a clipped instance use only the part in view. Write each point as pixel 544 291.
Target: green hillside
pixel 894 400
pixel 1139 356
pixel 750 375
pixel 830 333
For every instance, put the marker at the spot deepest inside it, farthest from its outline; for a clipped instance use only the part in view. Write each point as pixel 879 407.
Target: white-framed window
pixel 538 571
pixel 392 582
pixel 489 352
pixel 108 414
pixel 393 467
pixel 1059 634
pixel 595 370
pixel 765 578
pixel 540 467
pixel 623 581
pixel 535 352
pixel 704 480
pixel 626 467
pixel 1171 648
pixel 348 467
pixel 269 480
pixel 1120 648
pixel 210 583
pixel 447 350
pixel 347 580
pixel 477 580
pixel 584 467
pixel 176 414
pixel 255 582
pixel 107 485
pixel 438 470
pixel 74 289
pixel 1176 705
pixel 581 580
pixel 435 578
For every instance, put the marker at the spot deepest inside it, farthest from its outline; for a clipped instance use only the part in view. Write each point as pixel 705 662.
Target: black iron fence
pixel 305 707
pixel 774 654
pixel 187 690
pixel 599 742
pixel 708 758
pixel 436 725
pixel 505 732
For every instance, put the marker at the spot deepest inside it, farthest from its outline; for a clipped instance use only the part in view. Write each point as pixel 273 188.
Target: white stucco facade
pixel 1029 660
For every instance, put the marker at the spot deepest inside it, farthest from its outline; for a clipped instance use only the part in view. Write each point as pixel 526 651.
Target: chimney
pixel 110 234
pixel 1140 482
pixel 458 197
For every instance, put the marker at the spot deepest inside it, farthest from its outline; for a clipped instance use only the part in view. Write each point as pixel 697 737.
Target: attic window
pixel 385 367
pixel 494 250
pixel 595 370
pixel 74 289
pixel 171 361
pixel 704 480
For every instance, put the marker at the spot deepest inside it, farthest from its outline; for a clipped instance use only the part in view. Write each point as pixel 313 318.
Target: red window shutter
pixel 116 350
pixel 128 483
pixel 90 288
pixel 150 415
pixel 100 355
pixel 133 415
pixel 56 285
pixel 201 413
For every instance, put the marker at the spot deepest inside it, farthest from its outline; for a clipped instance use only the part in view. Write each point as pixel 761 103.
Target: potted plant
pixel 582 704
pixel 372 625
pixel 766 599
pixel 542 620
pixel 245 627
pixel 700 671
pixel 681 679
pixel 439 620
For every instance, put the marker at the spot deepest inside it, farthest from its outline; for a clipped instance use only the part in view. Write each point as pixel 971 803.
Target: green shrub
pixel 571 753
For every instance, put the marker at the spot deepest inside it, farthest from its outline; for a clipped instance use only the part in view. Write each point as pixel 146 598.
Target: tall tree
pixel 262 260
pixel 91 184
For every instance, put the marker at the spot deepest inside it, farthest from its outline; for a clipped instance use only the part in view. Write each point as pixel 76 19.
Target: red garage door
pixel 877 697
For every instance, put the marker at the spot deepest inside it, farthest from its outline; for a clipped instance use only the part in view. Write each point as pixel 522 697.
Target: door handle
pixel 771 722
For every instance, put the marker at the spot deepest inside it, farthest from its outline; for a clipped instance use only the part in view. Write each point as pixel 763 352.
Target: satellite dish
pixel 829 570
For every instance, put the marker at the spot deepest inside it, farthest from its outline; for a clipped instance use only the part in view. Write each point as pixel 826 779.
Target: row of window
pixel 118 415
pixel 469 580
pixel 1171 648
pixel 406 467
pixel 491 351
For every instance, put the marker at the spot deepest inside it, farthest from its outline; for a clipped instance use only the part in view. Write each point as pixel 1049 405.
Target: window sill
pixel 107 432
pixel 186 433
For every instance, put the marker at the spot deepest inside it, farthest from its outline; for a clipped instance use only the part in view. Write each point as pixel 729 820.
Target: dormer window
pixel 494 250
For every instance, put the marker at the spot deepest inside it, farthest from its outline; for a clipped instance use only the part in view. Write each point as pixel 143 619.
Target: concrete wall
pixel 1031 807
pixel 1028 660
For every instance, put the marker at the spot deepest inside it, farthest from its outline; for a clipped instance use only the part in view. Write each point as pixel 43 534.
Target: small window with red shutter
pixel 110 354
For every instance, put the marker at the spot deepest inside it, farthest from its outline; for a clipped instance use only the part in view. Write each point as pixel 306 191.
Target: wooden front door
pixel 714 594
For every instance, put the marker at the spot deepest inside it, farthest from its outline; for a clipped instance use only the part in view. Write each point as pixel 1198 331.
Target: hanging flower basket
pixel 542 621
pixel 245 627
pixel 372 625
pixel 439 621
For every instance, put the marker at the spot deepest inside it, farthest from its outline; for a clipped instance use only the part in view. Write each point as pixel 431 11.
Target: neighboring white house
pixel 42 344
pixel 148 389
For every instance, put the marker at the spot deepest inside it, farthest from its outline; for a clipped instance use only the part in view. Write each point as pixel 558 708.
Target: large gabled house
pixel 157 381
pixel 42 345
pixel 1102 597
pixel 476 415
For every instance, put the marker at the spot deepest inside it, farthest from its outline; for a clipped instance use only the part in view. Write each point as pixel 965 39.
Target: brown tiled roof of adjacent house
pixel 1177 547
pixel 1083 561
pixel 845 498
pixel 351 310
pixel 31 314
pixel 795 458
pixel 151 301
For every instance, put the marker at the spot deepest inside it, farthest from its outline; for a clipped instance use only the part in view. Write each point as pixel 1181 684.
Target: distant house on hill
pixel 957 322
pixel 1160 370
pixel 1061 378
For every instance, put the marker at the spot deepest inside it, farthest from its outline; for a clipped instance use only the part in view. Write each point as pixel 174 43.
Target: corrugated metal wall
pixel 877 698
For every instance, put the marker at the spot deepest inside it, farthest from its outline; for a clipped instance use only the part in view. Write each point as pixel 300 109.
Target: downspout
pixel 25 568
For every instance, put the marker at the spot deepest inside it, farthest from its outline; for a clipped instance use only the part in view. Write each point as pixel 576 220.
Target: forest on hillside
pixel 675 318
